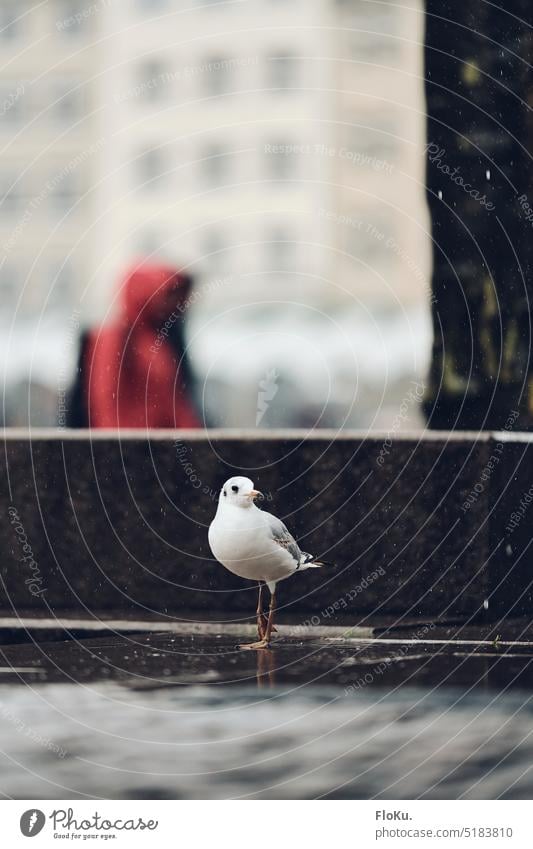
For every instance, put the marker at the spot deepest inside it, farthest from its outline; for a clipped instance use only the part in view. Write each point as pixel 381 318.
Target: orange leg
pixel 261 618
pixel 271 612
pixel 264 641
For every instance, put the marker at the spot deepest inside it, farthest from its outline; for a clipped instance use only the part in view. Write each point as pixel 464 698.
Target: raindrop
pixel 487 173
pixel 440 194
pixel 486 604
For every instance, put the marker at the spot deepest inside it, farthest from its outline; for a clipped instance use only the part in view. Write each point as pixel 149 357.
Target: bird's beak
pixel 255 494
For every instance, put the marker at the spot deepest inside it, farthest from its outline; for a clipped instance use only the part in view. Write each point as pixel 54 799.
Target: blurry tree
pixel 479 89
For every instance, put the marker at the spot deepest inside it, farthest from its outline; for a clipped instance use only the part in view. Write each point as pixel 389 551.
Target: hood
pixel 151 291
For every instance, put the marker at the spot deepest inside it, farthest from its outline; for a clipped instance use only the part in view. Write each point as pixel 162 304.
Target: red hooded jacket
pixel 133 374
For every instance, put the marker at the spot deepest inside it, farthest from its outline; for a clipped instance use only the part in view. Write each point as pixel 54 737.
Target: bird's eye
pixel 234 488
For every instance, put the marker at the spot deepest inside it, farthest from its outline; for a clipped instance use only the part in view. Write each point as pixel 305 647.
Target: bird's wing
pixel 282 537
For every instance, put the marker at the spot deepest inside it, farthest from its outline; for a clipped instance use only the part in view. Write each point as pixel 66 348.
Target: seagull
pixel 255 545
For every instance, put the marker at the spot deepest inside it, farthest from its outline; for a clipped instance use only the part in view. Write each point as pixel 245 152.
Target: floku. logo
pixel 32 822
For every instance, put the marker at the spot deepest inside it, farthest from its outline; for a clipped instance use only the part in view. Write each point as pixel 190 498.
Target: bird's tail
pixel 308 561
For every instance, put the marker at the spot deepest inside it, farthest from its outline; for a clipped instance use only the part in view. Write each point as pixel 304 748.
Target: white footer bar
pixel 277 824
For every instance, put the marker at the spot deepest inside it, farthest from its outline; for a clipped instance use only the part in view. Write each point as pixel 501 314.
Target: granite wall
pixel 416 526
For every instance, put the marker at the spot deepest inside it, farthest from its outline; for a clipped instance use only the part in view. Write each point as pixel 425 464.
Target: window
pixel 72 17
pixel 152 5
pixel 64 188
pixel 372 32
pixel 62 282
pixel 218 74
pixel 216 165
pixel 11 198
pixel 207 3
pixel 282 71
pixel 11 102
pixel 11 20
pixel 10 283
pixel 279 251
pixel 215 253
pixel 148 242
pixel 68 99
pixel 366 235
pixel 150 168
pixel 152 80
pixel 280 160
pixel 377 138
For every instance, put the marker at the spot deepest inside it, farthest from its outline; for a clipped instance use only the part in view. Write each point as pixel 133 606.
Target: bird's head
pixel 239 492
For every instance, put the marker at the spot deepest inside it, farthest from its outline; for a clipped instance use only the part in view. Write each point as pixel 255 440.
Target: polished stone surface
pixel 386 710
pixel 421 653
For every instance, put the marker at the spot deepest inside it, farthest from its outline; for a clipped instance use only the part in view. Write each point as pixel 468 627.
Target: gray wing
pixel 283 537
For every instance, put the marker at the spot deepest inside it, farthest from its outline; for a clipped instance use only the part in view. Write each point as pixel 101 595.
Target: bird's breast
pixel 231 542
pixel 243 544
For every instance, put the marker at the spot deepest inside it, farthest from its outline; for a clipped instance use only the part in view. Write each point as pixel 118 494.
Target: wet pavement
pixel 435 710
pixel 419 653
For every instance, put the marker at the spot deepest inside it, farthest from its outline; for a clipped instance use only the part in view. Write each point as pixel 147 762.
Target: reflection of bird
pixel 265 672
pixel 255 545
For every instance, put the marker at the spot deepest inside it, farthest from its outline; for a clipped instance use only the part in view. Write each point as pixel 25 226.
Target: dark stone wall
pixel 120 523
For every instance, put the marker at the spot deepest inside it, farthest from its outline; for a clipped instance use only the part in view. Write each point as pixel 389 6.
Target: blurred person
pixel 134 373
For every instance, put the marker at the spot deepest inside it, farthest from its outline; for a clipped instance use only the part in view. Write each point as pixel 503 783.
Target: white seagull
pixel 256 545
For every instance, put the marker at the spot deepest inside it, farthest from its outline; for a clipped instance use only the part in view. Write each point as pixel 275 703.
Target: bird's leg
pixel 261 619
pixel 265 623
pixel 271 612
pixel 264 642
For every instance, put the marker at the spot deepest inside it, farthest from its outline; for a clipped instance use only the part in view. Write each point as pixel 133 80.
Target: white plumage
pixel 254 544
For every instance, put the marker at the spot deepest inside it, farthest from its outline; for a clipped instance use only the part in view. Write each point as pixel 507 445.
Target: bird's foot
pixel 260 644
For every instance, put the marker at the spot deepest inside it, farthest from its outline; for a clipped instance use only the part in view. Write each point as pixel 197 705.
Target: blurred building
pixel 274 148
pixel 277 142
pixel 50 162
